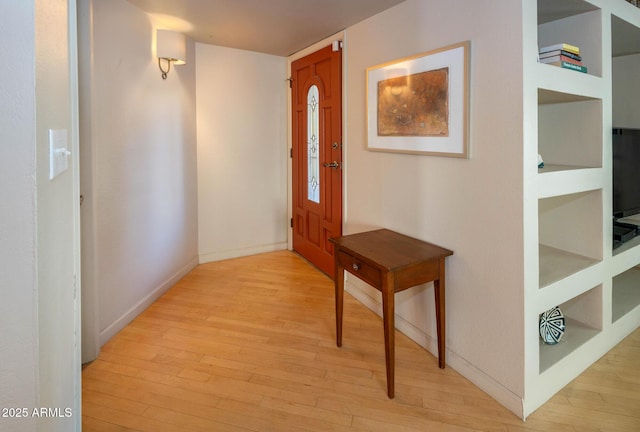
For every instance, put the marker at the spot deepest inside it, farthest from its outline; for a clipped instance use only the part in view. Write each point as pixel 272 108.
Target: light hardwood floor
pixel 249 345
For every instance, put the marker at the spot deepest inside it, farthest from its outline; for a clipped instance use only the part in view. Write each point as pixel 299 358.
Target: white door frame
pixel 75 150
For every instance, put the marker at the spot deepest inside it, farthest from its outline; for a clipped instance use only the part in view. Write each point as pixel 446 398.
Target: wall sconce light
pixel 171 48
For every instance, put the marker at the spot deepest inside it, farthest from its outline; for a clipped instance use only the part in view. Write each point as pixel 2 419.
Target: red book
pixel 560 58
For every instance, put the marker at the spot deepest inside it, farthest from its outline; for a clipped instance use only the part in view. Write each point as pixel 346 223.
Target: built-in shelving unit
pixel 568 201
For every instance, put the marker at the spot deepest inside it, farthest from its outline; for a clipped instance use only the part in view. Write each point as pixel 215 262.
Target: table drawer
pixel 364 271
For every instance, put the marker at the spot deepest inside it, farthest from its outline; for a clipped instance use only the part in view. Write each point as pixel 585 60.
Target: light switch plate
pixel 58 152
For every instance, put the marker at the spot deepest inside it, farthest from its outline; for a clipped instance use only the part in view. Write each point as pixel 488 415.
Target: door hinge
pixel 290 79
pixel 291 152
pixel 291 222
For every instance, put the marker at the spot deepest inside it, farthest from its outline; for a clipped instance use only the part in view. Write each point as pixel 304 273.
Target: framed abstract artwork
pixel 419 104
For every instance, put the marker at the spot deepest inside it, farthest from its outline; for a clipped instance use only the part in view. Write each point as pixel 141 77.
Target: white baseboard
pixel 487 384
pixel 138 308
pixel 501 394
pixel 236 253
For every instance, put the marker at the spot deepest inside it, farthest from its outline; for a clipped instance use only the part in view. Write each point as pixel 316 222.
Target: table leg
pixel 339 286
pixel 388 319
pixel 439 290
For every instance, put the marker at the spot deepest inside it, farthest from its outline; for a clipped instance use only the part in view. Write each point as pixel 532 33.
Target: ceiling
pixel 279 27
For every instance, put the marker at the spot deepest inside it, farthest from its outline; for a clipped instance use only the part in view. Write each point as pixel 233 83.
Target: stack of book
pixel 564 55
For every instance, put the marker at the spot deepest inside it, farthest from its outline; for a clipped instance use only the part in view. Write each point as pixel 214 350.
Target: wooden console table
pixel 391 262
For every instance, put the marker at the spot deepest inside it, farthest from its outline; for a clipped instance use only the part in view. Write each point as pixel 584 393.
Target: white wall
pixel 18 284
pixel 242 152
pixel 140 182
pixel 473 207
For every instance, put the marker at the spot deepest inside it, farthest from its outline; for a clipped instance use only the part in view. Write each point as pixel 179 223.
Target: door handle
pixel 333 164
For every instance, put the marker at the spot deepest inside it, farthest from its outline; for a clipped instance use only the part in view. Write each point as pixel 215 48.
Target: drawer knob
pixel 356 267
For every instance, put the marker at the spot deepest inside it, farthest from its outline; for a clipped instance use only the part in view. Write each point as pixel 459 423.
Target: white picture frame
pixel 448 136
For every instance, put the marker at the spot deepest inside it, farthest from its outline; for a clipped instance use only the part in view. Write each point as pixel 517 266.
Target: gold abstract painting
pixel 414 105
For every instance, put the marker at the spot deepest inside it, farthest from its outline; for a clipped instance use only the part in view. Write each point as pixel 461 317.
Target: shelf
pixel 576 335
pixel 553 10
pixel 556 264
pixel 575 22
pixel 627 246
pixel 547 96
pixel 583 321
pixel 548 168
pixel 625 91
pixel 569 135
pixel 627 251
pixel 625 38
pixel 626 293
pixel 557 85
pixel 569 233
pixel 556 180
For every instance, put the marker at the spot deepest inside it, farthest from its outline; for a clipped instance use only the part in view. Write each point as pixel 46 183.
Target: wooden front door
pixel 317 155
